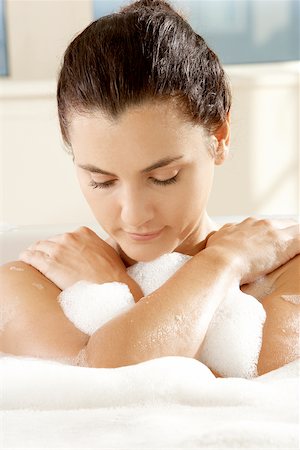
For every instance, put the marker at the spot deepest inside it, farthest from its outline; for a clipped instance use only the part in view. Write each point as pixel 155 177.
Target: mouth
pixel 146 236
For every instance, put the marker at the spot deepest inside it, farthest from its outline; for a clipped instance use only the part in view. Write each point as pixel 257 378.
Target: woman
pixel 144 108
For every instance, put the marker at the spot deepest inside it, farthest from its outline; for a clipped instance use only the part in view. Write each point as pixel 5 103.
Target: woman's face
pixel 148 172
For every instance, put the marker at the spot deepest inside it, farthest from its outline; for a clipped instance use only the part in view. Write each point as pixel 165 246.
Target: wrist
pixel 224 260
pixel 134 288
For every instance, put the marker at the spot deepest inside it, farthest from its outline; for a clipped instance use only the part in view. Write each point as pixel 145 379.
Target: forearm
pixel 135 289
pixel 173 320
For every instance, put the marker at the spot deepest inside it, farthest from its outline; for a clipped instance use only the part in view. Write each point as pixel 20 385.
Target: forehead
pixel 151 129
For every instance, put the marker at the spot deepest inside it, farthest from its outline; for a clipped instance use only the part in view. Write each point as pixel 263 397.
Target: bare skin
pixel 280 344
pixel 40 329
pixel 34 323
pixel 138 181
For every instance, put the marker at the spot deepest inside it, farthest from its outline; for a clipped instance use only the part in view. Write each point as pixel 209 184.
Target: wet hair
pixel 146 51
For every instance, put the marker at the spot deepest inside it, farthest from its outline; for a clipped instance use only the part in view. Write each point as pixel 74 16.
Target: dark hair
pixel 145 51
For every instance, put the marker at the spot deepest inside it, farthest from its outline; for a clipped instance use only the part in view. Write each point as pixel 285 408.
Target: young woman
pixel 144 109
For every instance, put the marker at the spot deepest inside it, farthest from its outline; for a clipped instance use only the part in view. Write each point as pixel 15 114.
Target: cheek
pixel 96 201
pixel 193 196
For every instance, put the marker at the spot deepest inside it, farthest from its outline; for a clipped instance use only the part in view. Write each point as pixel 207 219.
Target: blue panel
pixel 239 31
pixel 3 53
pixel 105 7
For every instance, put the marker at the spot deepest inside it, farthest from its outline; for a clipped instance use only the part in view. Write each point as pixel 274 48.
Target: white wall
pixel 38 32
pixel 262 175
pixel 38 184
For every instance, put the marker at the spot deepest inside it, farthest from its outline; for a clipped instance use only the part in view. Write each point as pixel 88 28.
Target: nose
pixel 136 209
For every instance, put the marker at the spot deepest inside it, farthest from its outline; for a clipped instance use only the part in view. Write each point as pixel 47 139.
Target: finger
pixel 292 235
pixel 226 225
pixel 293 230
pixel 276 223
pixel 37 259
pixel 283 223
pixel 57 237
pixel 64 238
pixel 46 246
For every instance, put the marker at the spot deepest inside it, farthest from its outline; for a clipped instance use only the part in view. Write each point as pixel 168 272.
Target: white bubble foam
pixel 17 269
pixel 79 360
pixel 234 337
pixel 260 288
pixel 295 298
pixel 38 285
pixel 233 341
pixel 7 312
pixel 151 275
pixel 89 305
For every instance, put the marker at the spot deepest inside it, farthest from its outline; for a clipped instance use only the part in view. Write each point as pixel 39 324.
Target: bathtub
pixel 14 238
pixel 168 402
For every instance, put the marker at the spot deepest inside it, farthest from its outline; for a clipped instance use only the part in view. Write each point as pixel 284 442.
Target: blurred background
pixel 258 43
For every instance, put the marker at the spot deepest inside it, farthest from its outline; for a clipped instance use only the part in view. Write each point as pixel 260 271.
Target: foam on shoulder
pixel 89 305
pixel 153 274
pixel 292 298
pixel 234 337
pixel 233 340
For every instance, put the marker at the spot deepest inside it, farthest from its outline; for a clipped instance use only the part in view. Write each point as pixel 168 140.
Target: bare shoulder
pixel 32 321
pixel 285 277
pixel 289 276
pixel 281 329
pixel 285 286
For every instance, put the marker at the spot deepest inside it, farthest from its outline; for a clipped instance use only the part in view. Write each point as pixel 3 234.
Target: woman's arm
pixel 78 255
pixel 174 319
pixel 280 343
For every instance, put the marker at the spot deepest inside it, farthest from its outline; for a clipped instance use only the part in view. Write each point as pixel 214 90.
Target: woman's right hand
pixel 256 247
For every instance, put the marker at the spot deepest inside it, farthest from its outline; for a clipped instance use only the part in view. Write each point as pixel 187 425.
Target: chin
pixel 144 254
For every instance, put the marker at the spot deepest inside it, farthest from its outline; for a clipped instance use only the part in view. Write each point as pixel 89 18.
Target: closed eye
pixel 165 182
pixel 108 184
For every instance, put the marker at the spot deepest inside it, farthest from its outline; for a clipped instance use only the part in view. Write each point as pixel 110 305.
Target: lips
pixel 150 233
pixel 145 236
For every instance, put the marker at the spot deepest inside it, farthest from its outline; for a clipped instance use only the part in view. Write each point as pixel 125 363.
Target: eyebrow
pixel 161 163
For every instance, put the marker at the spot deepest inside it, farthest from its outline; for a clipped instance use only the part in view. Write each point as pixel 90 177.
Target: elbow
pixel 99 355
pixel 109 347
pixel 102 360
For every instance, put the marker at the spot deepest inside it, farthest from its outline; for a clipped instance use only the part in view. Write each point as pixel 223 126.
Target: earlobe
pixel 222 136
pixel 221 152
pixel 223 132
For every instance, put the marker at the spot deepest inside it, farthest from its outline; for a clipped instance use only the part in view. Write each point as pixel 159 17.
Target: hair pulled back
pixel 145 51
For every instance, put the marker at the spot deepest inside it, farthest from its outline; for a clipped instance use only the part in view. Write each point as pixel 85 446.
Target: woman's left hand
pixel 74 256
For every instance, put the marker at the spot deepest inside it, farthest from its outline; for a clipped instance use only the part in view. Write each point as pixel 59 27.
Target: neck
pixel 192 244
pixel 197 239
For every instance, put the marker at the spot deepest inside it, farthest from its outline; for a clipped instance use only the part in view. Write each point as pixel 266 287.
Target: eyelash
pixel 108 184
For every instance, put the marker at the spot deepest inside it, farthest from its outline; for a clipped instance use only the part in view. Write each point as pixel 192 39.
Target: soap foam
pixel 89 305
pixel 292 298
pixel 260 288
pixel 38 285
pixel 79 360
pixel 232 343
pixel 151 275
pixel 8 312
pixel 17 269
pixel 234 337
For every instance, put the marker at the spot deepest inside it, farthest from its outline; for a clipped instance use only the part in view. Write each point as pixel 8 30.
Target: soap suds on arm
pixel 291 298
pixel 17 269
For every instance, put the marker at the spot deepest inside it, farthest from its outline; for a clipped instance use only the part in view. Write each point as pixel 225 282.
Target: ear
pixel 221 152
pixel 222 134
